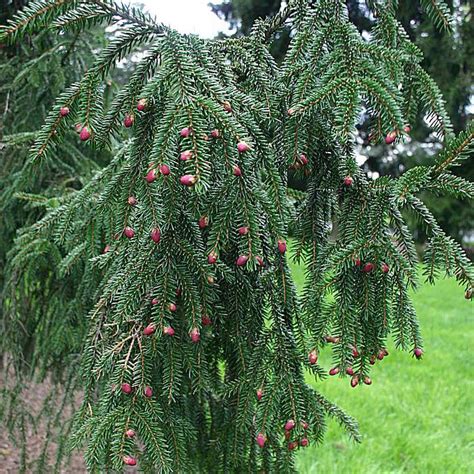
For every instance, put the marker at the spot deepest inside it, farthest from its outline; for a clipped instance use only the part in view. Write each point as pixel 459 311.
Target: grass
pixel 417 416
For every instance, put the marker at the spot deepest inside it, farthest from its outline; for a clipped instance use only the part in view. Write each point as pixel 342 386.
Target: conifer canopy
pixel 175 314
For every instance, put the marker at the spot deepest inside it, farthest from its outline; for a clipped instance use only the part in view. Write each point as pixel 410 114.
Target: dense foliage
pixel 448 58
pixel 171 286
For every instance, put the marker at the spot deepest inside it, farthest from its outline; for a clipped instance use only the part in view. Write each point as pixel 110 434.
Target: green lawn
pixel 417 416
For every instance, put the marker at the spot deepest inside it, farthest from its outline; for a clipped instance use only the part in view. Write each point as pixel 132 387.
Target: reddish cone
pixel 260 261
pixel 357 262
pixel 85 134
pixel 130 434
pixel 63 111
pixel 305 425
pixel 355 381
pixel 237 171
pixel 304 442
pixel 206 321
pixel 372 360
pixel 172 307
pixel 289 425
pixel 149 330
pixel 106 249
pixel 350 371
pixel 185 132
pixel 380 355
pixel 141 105
pixel 154 301
pixel 259 394
pixel 348 181
pixel 227 106
pixel 188 180
pixel 151 176
pixel 281 246
pixel 418 352
pixel 313 357
pixel 168 331
pixel 186 155
pixel 126 388
pixel 385 268
pixel 128 121
pixel 132 200
pixel 243 230
pixel 390 138
pixel 129 232
pixel 195 335
pixel 155 235
pixel 355 352
pixel 203 222
pixel 242 260
pixel 407 128
pixel 334 371
pixel 164 170
pixel 261 439
pixel 304 159
pixel 468 294
pixel 129 461
pixel 367 381
pixel 215 133
pixel 293 445
pixel 148 392
pixel 368 267
pixel 78 127
pixel 242 147
pixel 291 111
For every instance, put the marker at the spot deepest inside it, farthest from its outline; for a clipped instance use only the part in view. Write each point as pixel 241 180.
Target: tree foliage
pixel 172 289
pixel 447 58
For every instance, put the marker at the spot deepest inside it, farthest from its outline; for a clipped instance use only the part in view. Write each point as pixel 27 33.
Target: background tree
pixel 33 72
pixel 47 66
pixel 195 347
pixel 242 14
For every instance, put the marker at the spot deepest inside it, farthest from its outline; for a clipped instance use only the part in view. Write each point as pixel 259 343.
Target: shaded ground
pixel 10 454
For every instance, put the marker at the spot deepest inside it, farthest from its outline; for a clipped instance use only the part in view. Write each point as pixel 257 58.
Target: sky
pixel 187 16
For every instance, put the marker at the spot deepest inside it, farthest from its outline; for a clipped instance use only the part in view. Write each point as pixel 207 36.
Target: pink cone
pixel 185 132
pixel 348 181
pixel 129 232
pixel 242 260
pixel 242 147
pixel 188 180
pixel 186 155
pixel 128 121
pixel 149 330
pixel 164 170
pixel 195 335
pixel 85 134
pixel 261 439
pixel 155 235
pixel 148 392
pixel 151 176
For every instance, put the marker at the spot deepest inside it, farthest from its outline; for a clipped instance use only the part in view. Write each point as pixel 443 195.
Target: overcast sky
pixel 187 16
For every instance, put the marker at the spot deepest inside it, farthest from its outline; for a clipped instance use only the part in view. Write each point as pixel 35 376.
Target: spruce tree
pixel 185 335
